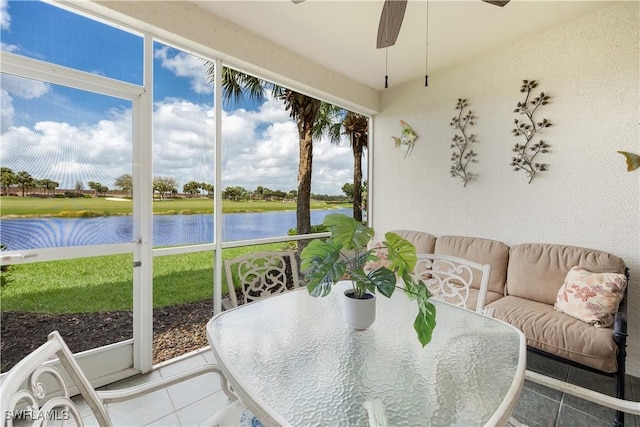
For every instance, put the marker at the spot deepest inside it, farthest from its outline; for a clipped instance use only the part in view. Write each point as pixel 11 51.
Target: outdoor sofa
pixel 528 281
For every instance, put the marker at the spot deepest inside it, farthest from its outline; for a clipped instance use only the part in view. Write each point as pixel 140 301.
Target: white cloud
pixel 8 47
pixel 6 110
pixel 22 87
pixel 260 148
pixel 183 136
pixel 61 152
pixel 185 65
pixel 332 167
pixel 5 18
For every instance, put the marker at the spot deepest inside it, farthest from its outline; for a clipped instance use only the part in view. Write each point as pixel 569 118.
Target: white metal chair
pixel 36 389
pixel 261 274
pixel 453 280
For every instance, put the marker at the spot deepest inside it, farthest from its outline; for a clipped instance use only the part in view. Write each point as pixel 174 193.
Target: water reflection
pixel 168 230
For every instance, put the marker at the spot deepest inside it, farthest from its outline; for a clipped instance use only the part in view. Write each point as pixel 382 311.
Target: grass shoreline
pixel 12 207
pixel 104 283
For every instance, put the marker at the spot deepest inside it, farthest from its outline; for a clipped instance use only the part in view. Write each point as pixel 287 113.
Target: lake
pixel 168 230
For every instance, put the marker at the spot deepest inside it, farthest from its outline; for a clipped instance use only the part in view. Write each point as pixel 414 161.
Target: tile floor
pixel 193 401
pixel 545 407
pixel 185 404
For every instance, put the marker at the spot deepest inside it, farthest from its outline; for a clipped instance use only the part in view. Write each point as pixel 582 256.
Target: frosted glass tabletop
pixel 294 361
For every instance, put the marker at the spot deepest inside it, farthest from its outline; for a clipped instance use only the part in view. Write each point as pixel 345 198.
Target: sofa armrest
pixel 620 320
pixel 620 325
pixel 620 338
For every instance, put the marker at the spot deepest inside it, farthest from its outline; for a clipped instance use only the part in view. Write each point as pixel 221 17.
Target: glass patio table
pixel 293 361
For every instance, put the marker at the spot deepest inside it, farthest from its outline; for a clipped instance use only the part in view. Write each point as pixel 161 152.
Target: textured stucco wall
pixel 591 69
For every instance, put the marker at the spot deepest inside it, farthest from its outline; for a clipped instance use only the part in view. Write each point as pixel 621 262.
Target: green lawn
pixel 11 206
pixel 104 283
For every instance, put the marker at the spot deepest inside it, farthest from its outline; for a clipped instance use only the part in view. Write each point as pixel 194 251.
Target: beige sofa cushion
pixel 472 302
pixel 537 271
pixel 483 251
pixel 424 242
pixel 556 333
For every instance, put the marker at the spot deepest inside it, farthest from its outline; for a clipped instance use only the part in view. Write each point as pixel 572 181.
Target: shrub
pixel 72 194
pixel 79 214
pixel 318 228
pixel 5 271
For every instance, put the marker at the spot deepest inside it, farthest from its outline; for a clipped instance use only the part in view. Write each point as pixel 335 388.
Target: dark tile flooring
pixel 545 407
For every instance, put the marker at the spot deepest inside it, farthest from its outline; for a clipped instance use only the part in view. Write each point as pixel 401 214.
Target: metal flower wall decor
pixel 462 154
pixel 526 153
pixel 406 140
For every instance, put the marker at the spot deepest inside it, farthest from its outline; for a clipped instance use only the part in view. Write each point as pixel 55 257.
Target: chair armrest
pixel 110 396
pixel 628 406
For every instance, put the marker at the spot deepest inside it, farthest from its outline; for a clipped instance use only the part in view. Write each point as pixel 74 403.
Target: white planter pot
pixel 359 313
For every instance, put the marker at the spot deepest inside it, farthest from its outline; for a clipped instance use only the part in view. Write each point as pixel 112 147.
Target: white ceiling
pixel 341 35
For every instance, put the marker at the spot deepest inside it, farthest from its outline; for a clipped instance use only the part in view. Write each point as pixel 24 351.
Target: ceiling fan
pixel 391 19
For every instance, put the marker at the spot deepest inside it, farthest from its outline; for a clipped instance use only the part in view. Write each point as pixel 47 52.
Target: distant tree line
pixel 25 182
pixel 165 187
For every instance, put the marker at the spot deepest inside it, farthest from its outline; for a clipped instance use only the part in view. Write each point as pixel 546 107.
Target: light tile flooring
pixel 185 404
pixel 191 402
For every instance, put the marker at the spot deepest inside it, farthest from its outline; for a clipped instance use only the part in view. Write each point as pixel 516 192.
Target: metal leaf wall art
pixel 463 154
pixel 526 152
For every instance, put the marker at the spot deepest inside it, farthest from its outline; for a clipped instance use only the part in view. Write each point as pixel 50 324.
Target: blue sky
pixel 69 135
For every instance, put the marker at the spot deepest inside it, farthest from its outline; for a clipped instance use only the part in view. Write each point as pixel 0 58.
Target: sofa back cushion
pixel 424 242
pixel 537 271
pixel 483 251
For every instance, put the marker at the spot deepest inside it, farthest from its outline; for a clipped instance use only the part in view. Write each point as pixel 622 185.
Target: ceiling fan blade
pixel 497 2
pixel 296 1
pixel 390 22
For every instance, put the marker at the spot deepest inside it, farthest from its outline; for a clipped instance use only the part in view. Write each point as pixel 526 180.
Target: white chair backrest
pixel 262 274
pixel 35 389
pixel 449 278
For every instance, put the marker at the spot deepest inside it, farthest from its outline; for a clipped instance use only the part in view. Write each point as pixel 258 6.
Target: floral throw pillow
pixel 591 297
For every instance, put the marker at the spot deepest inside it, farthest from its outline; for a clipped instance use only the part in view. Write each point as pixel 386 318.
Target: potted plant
pixel 346 256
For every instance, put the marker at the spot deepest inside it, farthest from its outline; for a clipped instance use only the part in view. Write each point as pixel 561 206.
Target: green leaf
pixel 380 280
pixel 425 321
pixel 318 249
pixel 384 280
pixel 322 266
pixel 402 254
pixel 320 288
pixel 347 232
pixel 424 326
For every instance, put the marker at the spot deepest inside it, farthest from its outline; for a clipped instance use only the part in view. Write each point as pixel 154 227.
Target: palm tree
pixel 25 180
pixel 335 121
pixel 356 126
pixel 302 108
pixel 7 179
